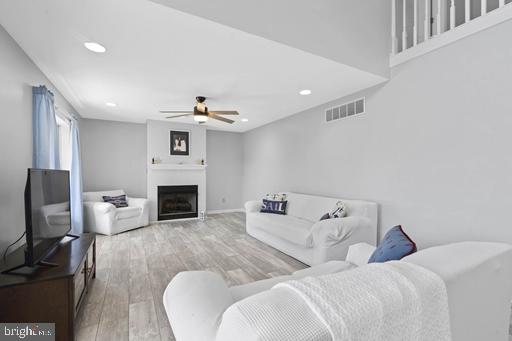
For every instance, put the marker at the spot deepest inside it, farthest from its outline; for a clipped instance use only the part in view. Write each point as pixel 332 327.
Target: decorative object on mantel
pixel 156 160
pixel 179 143
pixel 202 162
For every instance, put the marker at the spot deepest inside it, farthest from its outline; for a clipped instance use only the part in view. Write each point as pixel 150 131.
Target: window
pixel 64 141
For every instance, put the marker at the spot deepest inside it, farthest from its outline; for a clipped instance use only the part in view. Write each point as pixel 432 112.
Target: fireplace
pixel 177 202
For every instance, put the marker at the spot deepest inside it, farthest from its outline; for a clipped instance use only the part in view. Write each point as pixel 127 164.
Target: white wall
pixel 114 156
pixel 433 148
pixel 225 170
pixel 17 76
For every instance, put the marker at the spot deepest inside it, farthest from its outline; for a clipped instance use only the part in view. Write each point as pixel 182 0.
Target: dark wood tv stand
pixel 50 294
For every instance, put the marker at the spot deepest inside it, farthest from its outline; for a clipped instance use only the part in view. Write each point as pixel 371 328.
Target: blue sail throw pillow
pixel 274 206
pixel 395 246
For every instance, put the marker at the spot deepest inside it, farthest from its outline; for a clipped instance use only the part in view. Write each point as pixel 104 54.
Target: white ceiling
pixel 160 58
pixel 352 32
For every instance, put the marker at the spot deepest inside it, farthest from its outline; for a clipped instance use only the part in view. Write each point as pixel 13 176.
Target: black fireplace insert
pixel 177 202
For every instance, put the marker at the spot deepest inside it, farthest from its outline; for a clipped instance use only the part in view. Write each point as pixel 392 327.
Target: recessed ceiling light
pixel 95 47
pixel 110 104
pixel 244 120
pixel 305 92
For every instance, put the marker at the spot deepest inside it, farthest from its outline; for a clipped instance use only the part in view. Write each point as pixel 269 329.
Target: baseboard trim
pixel 171 220
pixel 232 210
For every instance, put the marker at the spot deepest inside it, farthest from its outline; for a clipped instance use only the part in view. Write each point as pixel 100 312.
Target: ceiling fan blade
pixel 182 115
pixel 225 112
pixel 176 112
pixel 220 118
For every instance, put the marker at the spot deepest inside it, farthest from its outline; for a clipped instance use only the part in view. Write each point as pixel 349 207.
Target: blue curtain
pixel 45 152
pixel 46 149
pixel 76 181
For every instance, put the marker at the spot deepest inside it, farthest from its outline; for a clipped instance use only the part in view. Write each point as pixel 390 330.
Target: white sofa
pixel 302 235
pixel 105 218
pixel 478 277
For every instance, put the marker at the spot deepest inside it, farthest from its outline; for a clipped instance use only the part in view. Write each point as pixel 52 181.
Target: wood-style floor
pixel 134 268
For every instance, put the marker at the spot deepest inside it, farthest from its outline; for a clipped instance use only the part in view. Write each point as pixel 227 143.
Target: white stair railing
pixel 468 11
pixel 427 22
pixel 415 28
pixel 439 21
pixel 452 15
pixel 404 29
pixel 437 16
pixel 484 7
pixel 394 39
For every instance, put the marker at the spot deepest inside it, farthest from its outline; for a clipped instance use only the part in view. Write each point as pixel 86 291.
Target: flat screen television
pixel 47 212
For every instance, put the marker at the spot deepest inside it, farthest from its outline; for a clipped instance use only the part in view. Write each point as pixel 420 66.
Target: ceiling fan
pixel 201 113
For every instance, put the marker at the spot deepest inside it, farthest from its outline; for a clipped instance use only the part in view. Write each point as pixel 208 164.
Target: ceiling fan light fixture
pixel 201 107
pixel 201 118
pixel 201 113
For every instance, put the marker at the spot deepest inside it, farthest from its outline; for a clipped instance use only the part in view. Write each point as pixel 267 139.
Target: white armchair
pixel 105 218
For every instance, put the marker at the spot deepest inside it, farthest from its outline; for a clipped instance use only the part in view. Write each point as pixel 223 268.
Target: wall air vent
pixel 345 110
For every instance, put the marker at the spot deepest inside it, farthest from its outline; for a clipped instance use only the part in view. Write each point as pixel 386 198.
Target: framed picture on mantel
pixel 179 143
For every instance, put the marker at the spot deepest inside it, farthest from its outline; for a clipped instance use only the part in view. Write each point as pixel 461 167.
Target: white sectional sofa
pixel 478 278
pixel 105 218
pixel 302 235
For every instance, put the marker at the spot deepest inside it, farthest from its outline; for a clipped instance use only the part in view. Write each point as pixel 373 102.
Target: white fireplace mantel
pixel 175 170
pixel 177 166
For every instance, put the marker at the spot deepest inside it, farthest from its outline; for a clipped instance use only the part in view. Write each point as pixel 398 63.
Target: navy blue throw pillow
pixel 395 246
pixel 118 201
pixel 272 206
pixel 325 216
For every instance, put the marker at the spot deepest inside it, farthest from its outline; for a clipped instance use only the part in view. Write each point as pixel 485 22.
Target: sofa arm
pixel 98 216
pixel 137 202
pixel 330 232
pixel 142 203
pixel 194 302
pixel 359 253
pixel 253 206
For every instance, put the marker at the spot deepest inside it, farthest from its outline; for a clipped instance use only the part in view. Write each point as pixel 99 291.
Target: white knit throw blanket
pixel 394 301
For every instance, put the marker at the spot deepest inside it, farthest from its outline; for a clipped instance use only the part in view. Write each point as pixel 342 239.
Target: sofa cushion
pixel 128 212
pixel 292 229
pixel 273 206
pixel 98 196
pixel 395 246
